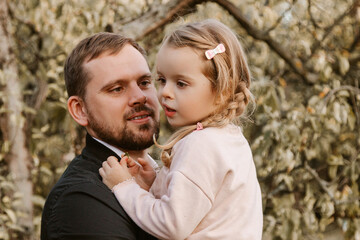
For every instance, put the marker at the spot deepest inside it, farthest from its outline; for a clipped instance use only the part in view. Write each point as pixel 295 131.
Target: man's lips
pixel 139 117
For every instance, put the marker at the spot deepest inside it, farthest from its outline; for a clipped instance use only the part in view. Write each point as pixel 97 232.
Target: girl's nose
pixel 166 91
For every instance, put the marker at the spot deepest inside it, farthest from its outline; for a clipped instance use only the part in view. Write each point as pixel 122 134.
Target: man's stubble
pixel 123 137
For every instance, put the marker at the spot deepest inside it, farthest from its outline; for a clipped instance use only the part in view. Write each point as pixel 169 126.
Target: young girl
pixel 208 187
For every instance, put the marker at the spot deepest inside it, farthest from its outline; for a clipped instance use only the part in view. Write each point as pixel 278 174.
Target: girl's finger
pixel 145 164
pixel 125 155
pixel 131 162
pixel 106 166
pixel 113 161
pixel 123 162
pixel 102 172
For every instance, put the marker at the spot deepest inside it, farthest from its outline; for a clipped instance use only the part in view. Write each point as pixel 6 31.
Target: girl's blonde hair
pixel 228 73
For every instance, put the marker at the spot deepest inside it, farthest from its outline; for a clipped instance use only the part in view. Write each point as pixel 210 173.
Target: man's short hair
pixel 76 78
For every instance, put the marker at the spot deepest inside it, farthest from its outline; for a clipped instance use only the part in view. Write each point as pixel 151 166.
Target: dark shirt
pixel 80 206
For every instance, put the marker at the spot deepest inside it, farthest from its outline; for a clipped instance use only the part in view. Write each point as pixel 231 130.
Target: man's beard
pixel 123 137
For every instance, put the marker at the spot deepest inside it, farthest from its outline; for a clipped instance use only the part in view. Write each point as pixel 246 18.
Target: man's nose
pixel 137 96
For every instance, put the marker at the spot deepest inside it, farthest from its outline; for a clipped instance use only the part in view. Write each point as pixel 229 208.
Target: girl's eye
pixel 161 80
pixel 181 84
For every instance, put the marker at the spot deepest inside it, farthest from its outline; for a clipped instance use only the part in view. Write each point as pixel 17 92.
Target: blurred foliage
pixel 304 135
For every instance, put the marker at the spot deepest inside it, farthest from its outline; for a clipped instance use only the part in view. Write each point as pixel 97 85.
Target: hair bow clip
pixel 212 52
pixel 199 126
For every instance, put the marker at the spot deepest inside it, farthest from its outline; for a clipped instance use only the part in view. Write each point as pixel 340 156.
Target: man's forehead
pixel 101 57
pixel 126 55
pixel 124 66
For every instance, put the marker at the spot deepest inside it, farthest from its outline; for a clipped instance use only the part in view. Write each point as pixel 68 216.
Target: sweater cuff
pixel 127 181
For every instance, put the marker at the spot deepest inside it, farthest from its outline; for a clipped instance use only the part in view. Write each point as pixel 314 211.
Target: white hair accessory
pixel 212 52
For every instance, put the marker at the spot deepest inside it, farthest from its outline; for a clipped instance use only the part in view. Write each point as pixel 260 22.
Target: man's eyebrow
pixel 144 76
pixel 112 83
pixel 122 82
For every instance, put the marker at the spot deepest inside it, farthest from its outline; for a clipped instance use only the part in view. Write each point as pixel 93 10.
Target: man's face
pixel 120 101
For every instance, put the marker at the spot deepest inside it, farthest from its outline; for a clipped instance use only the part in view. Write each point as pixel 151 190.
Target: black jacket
pixel 80 206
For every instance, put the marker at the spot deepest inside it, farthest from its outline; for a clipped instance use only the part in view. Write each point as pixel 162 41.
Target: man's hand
pixel 113 172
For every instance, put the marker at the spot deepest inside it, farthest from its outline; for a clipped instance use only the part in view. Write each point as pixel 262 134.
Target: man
pixel 112 95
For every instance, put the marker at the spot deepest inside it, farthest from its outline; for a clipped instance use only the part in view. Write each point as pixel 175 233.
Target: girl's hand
pixel 144 174
pixel 113 172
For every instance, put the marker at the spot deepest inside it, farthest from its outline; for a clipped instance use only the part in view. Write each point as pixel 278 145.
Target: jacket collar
pixel 96 150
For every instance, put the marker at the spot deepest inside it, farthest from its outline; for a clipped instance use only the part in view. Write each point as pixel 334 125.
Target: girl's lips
pixel 168 111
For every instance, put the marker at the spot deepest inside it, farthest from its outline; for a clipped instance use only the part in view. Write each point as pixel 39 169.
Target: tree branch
pixel 272 174
pixel 329 29
pixel 294 62
pixel 351 89
pixel 278 189
pixel 311 16
pixel 345 87
pixel 323 184
pixel 278 21
pixel 356 41
pixel 156 18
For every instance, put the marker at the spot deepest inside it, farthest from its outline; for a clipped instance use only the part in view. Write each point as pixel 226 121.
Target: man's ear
pixel 77 110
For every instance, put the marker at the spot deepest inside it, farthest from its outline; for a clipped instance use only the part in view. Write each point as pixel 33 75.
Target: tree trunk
pixel 13 127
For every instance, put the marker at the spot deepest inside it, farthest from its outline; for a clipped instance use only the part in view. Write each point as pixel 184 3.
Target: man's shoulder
pixel 77 183
pixel 79 177
pixel 79 203
pixel 84 193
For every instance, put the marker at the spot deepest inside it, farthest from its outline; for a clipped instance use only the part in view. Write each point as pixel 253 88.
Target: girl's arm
pixel 184 193
pixel 174 216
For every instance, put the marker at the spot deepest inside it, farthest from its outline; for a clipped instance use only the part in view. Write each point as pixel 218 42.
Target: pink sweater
pixel 210 191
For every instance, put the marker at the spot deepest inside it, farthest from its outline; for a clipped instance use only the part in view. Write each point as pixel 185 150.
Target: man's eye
pixel 145 83
pixel 117 89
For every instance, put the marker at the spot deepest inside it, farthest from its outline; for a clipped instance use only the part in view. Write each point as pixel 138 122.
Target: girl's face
pixel 184 92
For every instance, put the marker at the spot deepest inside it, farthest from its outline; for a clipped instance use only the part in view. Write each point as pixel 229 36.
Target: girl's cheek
pixel 159 93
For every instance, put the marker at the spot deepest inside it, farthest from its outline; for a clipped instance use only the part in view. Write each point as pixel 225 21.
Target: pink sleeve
pixel 174 216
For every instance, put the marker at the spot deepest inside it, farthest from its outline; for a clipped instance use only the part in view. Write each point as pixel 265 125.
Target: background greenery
pixel 304 56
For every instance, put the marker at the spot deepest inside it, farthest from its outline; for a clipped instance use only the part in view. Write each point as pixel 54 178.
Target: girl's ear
pixel 77 110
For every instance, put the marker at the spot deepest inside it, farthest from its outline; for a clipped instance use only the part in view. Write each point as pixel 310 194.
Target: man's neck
pixel 120 152
pixel 138 154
